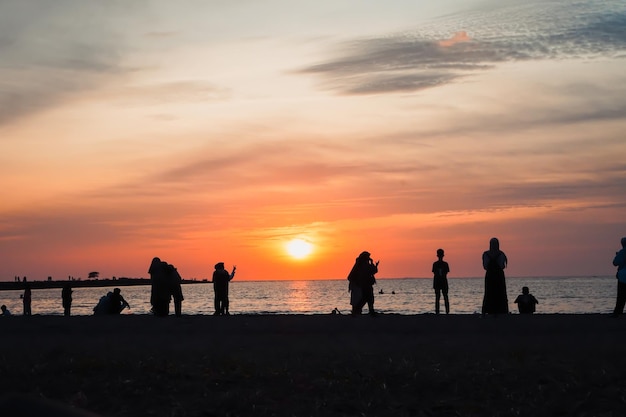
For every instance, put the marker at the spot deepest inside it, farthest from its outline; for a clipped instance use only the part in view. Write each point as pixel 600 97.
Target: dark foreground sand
pixel 463 365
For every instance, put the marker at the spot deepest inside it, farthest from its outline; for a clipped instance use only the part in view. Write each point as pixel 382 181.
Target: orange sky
pixel 143 130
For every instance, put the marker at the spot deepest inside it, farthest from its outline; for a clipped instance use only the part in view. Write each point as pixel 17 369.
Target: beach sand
pixel 323 365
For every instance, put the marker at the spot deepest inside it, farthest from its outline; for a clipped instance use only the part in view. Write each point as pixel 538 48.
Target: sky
pixel 207 131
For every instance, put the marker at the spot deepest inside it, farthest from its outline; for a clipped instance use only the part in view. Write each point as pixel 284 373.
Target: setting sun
pixel 299 248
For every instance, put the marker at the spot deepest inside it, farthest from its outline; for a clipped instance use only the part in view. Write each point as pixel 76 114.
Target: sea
pixel 407 296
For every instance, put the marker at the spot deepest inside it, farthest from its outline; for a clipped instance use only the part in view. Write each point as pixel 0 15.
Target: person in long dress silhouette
pixel 160 294
pixel 495 300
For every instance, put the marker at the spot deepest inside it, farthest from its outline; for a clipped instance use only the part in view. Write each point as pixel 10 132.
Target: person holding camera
pixel 361 283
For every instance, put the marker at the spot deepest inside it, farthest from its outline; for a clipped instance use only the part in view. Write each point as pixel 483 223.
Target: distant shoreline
pixel 92 283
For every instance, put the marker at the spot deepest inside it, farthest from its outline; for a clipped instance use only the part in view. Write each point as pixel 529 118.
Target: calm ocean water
pixel 562 295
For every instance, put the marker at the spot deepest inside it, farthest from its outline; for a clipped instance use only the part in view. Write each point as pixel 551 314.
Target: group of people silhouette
pixel 166 286
pixel 112 303
pixel 362 278
pixel 495 298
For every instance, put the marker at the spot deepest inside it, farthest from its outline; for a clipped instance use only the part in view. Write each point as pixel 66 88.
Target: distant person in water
pixel 160 294
pixel 66 298
pixel 176 290
pixel 495 300
pixel 221 279
pixel 620 262
pixel 5 310
pixel 27 299
pixel 361 280
pixel 440 281
pixel 526 302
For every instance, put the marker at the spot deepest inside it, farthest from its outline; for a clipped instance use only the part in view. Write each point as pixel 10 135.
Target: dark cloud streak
pixel 414 62
pixel 50 52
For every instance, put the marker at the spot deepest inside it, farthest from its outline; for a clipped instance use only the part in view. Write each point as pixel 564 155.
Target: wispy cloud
pixel 51 51
pixel 475 41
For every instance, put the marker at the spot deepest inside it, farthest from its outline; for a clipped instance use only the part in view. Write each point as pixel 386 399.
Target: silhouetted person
pixel 176 290
pixel 620 262
pixel 221 278
pixel 161 291
pixel 526 302
pixel 66 297
pixel 117 302
pixel 361 282
pixel 440 281
pixel 27 299
pixel 495 300
pixel 5 310
pixel 103 306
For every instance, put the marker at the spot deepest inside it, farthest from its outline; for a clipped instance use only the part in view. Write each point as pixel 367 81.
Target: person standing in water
pixel 440 281
pixel 221 279
pixel 495 300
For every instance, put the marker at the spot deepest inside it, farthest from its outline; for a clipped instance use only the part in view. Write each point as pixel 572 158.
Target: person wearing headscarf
pixel 495 300
pixel 221 279
pixel 620 262
pixel 160 294
pixel 360 283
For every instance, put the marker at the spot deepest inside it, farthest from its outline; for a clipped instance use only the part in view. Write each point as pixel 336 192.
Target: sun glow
pixel 299 248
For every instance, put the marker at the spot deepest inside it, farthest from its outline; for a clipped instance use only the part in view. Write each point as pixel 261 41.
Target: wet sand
pixel 291 365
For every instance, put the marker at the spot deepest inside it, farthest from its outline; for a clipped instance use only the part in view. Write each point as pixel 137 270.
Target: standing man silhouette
pixel 440 281
pixel 175 281
pixel 27 299
pixel 66 297
pixel 620 262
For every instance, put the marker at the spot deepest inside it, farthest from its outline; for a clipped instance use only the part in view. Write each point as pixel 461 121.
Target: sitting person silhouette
pixel 112 303
pixel 526 302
